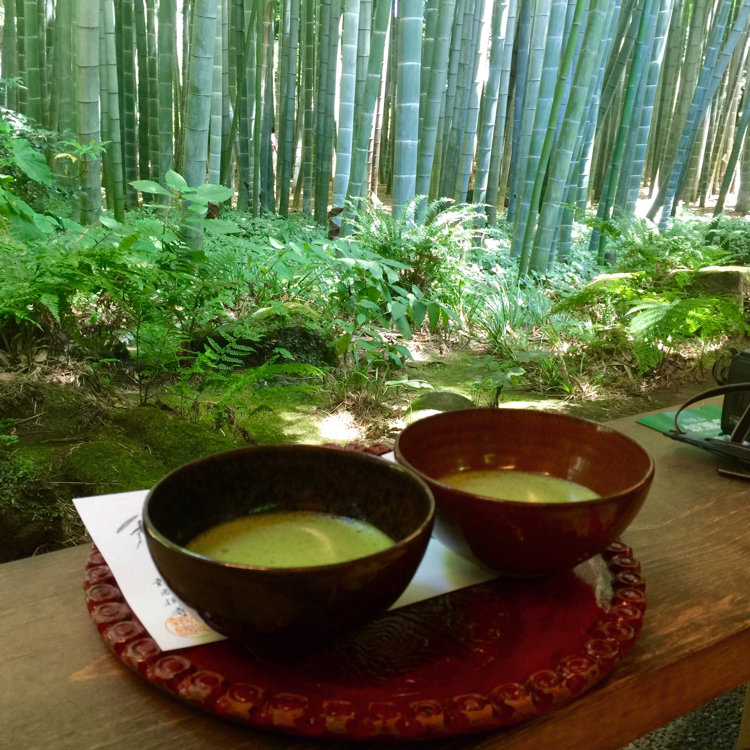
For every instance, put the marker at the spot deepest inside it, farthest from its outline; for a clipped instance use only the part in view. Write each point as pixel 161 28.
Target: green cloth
pixel 700 420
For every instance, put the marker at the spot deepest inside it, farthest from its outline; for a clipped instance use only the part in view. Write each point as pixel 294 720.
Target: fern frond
pixel 647 317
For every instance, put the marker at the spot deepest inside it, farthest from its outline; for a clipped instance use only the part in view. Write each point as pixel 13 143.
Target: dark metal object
pixel 735 402
pixel 735 446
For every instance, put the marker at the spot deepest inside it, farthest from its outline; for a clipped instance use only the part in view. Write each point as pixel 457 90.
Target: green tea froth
pixel 509 484
pixel 290 539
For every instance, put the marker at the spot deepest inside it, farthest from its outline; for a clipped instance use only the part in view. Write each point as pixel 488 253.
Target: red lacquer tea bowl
pixel 283 608
pixel 523 538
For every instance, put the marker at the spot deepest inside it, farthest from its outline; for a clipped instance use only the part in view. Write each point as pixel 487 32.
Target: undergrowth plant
pixel 649 314
pixel 371 309
pixel 138 299
pixel 219 370
pixel 426 238
pixel 641 247
pixel 573 331
pixel 732 237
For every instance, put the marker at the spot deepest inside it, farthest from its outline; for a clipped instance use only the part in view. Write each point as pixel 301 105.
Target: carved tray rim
pixel 413 717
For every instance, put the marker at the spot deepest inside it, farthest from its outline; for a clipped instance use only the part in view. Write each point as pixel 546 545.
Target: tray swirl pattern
pixel 476 659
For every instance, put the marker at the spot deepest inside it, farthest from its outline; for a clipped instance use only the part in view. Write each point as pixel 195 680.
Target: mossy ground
pixel 72 443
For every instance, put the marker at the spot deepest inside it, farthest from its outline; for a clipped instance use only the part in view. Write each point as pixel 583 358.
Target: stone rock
pixel 725 280
pixel 603 278
pixel 264 331
pixel 441 401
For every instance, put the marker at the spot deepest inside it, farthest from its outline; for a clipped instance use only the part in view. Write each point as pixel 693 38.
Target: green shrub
pixel 426 238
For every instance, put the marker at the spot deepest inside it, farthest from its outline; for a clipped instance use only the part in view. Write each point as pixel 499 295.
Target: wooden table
pixel 62 688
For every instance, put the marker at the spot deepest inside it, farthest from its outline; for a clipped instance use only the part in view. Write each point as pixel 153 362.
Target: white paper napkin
pixel 114 523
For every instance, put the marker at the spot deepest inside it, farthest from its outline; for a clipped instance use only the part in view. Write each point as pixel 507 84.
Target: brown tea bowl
pixel 520 538
pixel 290 608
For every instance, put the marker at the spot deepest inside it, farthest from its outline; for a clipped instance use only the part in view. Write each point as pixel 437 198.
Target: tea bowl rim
pixel 644 481
pixel 156 535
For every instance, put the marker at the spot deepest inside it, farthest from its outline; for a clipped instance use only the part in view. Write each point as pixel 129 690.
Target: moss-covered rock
pixel 142 445
pixel 434 402
pixel 721 280
pixel 441 401
pixel 48 411
pixel 295 328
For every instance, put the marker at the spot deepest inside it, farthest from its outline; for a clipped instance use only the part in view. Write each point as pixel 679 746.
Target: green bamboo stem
pixel 153 90
pixel 454 135
pixel 329 21
pixel 113 130
pixel 215 120
pixel 268 201
pixel 474 95
pixel 561 156
pixel 308 82
pixel 438 181
pixel 638 162
pixel 143 99
pixel 716 62
pixel 635 79
pixel 165 71
pixel 366 14
pixel 32 49
pixel 198 113
pixel 87 106
pixel 498 154
pixel 346 95
pixel 9 62
pixel 490 101
pixel 358 180
pixel 406 109
pixel 290 37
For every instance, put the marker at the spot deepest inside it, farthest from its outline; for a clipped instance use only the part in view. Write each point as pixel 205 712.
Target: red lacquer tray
pixel 472 660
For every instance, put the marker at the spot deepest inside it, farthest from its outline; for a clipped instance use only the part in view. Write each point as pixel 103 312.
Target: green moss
pixel 456 373
pixel 110 463
pixel 169 438
pixel 47 411
pixel 276 425
pixel 30 515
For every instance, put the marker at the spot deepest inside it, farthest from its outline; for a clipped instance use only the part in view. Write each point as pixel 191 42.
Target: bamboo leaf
pixel 341 344
pixel 397 310
pixel 418 311
pixel 366 303
pixel 403 326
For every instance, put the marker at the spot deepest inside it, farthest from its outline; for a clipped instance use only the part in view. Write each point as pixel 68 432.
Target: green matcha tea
pixel 508 484
pixel 290 539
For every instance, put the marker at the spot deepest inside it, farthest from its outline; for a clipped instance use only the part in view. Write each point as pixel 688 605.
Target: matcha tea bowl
pixel 285 546
pixel 526 492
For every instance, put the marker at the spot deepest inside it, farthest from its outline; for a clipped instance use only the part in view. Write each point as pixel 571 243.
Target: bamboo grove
pixel 535 110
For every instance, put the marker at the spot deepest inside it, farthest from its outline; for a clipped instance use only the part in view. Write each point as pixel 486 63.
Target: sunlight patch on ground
pixel 543 404
pixel 339 428
pixel 413 416
pixel 422 348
